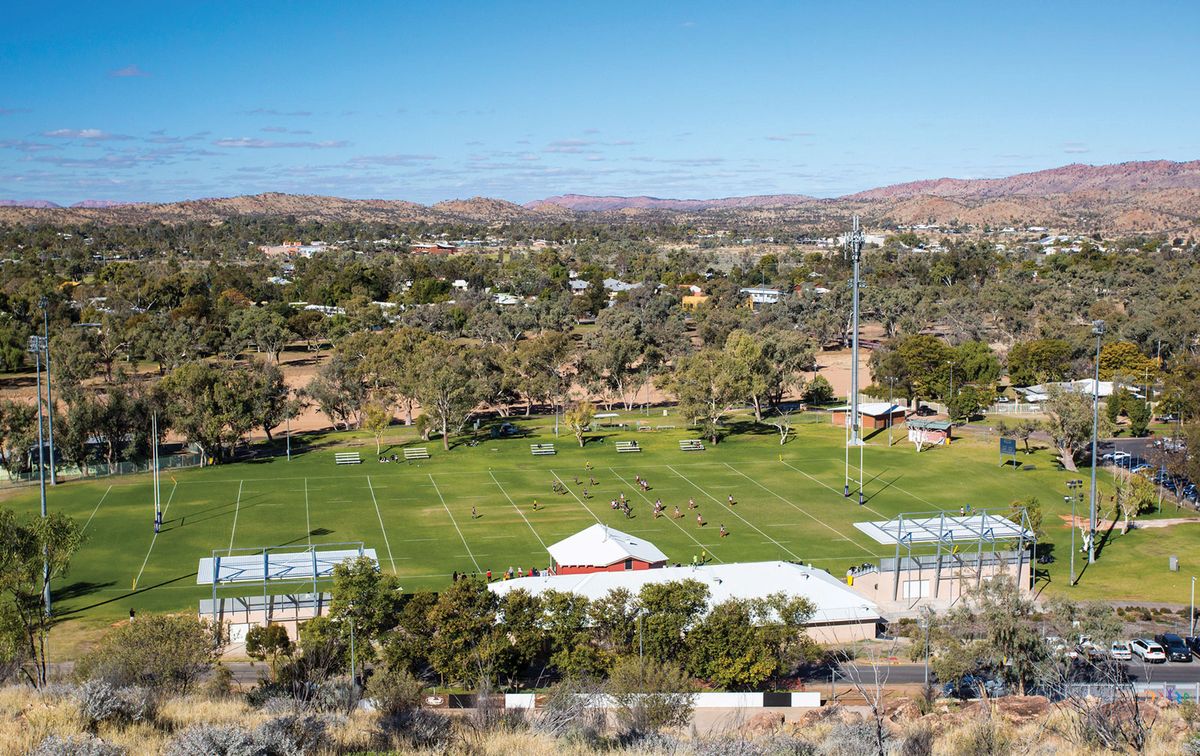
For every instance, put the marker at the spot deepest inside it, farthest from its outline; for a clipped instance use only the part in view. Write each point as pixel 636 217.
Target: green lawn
pixel 418 516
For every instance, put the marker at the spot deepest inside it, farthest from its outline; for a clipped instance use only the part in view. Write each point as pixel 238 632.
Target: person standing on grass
pixel 700 520
pixel 691 503
pixel 677 514
pixel 474 512
pixel 731 501
pixel 489 575
pixel 535 505
pixel 724 532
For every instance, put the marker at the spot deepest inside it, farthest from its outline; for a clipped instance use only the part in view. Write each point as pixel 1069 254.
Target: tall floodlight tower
pixel 854 245
pixel 1097 330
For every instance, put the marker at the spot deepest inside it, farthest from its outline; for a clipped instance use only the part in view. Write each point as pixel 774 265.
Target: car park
pixel 1119 651
pixel 1174 647
pixel 1147 651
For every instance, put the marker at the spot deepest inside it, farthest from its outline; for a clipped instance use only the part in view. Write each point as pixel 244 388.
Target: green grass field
pixel 417 516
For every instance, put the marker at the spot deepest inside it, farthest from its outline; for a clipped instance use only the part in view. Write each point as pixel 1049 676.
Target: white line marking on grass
pixel 451 515
pixel 831 488
pixel 674 520
pixel 381 528
pixel 154 539
pixel 89 520
pixel 585 506
pixel 734 513
pixel 514 505
pixel 237 505
pixel 798 508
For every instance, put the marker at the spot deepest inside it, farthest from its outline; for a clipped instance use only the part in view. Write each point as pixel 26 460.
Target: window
pixel 629 563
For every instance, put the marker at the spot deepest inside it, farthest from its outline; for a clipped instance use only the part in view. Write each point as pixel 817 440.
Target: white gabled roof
pixel 874 409
pixel 834 600
pixel 600 546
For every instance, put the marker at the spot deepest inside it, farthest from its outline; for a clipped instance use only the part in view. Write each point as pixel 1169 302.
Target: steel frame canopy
pixel 277 565
pixel 950 533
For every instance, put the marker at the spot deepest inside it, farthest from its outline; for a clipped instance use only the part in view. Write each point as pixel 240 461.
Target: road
pixel 907 674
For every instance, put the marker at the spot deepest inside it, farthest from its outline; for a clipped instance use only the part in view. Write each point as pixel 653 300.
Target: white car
pixel 1119 651
pixel 1148 651
pixel 1059 647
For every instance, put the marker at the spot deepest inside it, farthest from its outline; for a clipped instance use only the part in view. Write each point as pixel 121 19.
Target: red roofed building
pixel 602 549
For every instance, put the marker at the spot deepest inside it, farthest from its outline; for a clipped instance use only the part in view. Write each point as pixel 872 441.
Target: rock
pixel 766 721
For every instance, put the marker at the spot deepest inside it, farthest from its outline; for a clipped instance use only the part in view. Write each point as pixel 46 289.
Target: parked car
pixel 969 688
pixel 1089 648
pixel 1175 648
pixel 1060 647
pixel 1119 651
pixel 1148 651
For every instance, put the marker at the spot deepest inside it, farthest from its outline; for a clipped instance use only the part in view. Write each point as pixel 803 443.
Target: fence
pixel 71 472
pixel 1016 408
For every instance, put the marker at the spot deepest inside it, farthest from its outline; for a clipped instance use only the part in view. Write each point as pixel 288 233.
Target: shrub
pixel 292 735
pixel 101 702
pixel 650 695
pixel 213 740
pixel 394 691
pixel 849 739
pixel 76 745
pixel 982 738
pixel 918 741
pixel 164 652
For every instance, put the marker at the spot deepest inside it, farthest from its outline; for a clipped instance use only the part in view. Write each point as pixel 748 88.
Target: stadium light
pixel 36 345
pixel 44 303
pixel 1098 330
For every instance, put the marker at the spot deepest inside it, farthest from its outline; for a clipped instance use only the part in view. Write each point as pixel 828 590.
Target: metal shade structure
pixel 982 537
pixel 266 565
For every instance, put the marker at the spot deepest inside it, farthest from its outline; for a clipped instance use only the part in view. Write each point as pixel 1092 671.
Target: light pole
pixel 1192 610
pixel 44 303
pixel 926 625
pixel 35 346
pixel 951 364
pixel 1074 485
pixel 854 247
pixel 1098 330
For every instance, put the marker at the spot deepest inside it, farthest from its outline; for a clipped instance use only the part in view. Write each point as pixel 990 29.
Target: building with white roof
pixel 600 549
pixel 759 295
pixel 841 614
pixel 1041 392
pixel 871 414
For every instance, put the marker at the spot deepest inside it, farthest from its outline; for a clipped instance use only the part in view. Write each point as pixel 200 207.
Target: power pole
pixel 45 304
pixel 36 345
pixel 1098 329
pixel 854 247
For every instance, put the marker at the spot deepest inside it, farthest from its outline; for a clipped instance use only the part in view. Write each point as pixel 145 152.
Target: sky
pixel 426 101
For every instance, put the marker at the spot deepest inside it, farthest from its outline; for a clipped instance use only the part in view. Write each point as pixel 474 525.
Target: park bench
pixel 691 444
pixel 645 427
pixel 541 449
pixel 347 458
pixel 417 452
pixel 666 427
pixel 627 446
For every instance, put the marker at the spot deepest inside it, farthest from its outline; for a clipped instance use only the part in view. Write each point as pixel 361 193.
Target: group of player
pixel 622 503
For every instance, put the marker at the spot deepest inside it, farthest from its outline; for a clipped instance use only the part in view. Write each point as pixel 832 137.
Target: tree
pixel 464 644
pixel 819 391
pixel 579 419
pixel 706 385
pixel 449 386
pixel 74 359
pixel 966 403
pixel 996 628
pixel 670 611
pixel 1138 411
pixel 376 419
pixel 18 432
pixel 1070 424
pixel 1135 495
pixel 925 360
pixel 269 394
pixel 1123 358
pixel 650 695
pixel 36 550
pixel 729 650
pixel 211 404
pixel 1038 361
pixel 269 643
pixel 165 652
pixel 339 391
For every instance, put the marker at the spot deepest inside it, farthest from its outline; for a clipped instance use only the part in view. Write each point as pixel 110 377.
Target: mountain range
pixel 1157 196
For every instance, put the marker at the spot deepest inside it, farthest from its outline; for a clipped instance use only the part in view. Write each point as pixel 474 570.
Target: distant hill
pixel 586 203
pixel 1157 196
pixel 1119 178
pixel 35 203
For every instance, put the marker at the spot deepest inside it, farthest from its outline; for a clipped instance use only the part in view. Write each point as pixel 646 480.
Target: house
pixel 616 285
pixel 432 248
pixel 600 548
pixel 872 415
pixel 459 284
pixel 578 286
pixel 760 296
pixel 1087 386
pixel 840 615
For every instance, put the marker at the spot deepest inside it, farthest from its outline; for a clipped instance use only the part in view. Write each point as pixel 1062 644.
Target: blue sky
pixel 429 101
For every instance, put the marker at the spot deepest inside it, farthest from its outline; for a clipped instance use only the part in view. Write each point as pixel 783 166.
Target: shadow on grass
pixel 79 589
pixel 123 596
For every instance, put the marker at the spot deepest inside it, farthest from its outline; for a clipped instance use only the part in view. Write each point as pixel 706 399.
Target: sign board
pixel 1009 446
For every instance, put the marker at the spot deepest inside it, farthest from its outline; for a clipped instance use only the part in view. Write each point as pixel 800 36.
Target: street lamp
pixel 44 303
pixel 1098 330
pixel 926 625
pixel 36 345
pixel 891 405
pixel 1074 485
pixel 1192 610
